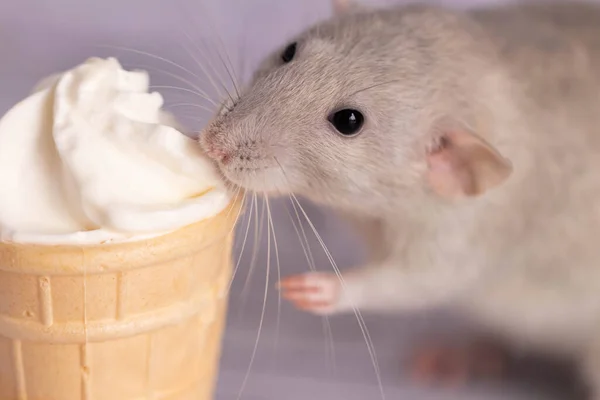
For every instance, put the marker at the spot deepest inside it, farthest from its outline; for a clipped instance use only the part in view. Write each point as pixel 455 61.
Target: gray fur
pixel 522 258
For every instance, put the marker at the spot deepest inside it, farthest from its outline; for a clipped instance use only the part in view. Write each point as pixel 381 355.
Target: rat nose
pixel 222 156
pixel 219 155
pixel 214 151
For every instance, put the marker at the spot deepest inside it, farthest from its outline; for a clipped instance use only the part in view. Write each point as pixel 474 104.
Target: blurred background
pixel 180 42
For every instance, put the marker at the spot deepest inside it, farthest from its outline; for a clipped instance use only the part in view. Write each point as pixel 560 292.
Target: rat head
pixel 354 112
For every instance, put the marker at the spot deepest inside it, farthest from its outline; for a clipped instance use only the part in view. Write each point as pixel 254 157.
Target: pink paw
pixel 315 292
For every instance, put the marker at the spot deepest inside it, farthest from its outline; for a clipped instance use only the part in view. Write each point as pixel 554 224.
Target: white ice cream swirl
pixel 90 157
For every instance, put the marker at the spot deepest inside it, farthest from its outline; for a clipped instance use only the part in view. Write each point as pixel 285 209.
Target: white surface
pixel 38 37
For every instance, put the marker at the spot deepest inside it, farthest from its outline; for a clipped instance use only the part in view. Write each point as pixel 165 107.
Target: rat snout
pixel 213 146
pixel 245 154
pixel 233 146
pixel 217 153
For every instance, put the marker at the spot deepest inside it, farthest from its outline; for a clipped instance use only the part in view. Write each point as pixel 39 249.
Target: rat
pixel 463 144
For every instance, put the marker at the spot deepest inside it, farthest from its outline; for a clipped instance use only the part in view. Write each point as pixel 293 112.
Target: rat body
pixel 464 145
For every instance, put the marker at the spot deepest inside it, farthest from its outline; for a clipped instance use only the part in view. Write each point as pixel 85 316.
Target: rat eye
pixel 347 122
pixel 289 53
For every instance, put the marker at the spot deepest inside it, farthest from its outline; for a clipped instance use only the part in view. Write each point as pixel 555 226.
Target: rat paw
pixel 456 366
pixel 315 292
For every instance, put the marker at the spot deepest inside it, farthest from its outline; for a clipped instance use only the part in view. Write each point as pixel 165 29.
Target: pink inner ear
pixel 465 165
pixel 445 175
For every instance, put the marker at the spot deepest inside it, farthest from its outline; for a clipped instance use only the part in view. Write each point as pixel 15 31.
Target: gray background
pixel 294 359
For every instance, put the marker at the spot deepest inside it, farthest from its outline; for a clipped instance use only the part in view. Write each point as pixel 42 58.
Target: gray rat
pixel 465 145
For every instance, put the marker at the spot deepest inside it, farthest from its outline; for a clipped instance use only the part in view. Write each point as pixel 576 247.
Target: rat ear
pixel 341 7
pixel 461 164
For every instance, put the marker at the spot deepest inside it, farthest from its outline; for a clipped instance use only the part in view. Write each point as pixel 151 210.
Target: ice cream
pixel 90 157
pixel 116 241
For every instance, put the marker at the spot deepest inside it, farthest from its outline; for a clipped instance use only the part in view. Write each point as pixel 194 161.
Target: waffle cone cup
pixel 129 321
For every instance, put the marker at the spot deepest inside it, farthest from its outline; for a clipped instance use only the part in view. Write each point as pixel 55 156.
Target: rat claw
pixel 292 282
pixel 312 306
pixel 314 292
pixel 299 294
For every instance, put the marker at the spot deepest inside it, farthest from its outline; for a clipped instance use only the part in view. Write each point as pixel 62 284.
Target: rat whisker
pixel 233 205
pixel 357 313
pixel 237 264
pixel 193 117
pixel 242 54
pixel 154 56
pixel 206 54
pixel 224 78
pixel 194 105
pixel 218 90
pixel 227 66
pixel 230 73
pixel 234 202
pixel 359 317
pixel 241 205
pixel 230 208
pixel 270 221
pixel 330 356
pixel 327 331
pixel 257 237
pixel 207 59
pixel 196 88
pixel 258 230
pixel 186 90
pixel 190 16
pixel 215 31
pixel 198 62
pixel 262 315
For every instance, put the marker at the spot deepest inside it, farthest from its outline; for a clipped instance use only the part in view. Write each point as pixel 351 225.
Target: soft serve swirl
pixel 91 157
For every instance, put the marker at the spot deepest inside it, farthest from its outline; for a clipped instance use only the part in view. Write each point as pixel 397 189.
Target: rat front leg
pixel 387 287
pixel 376 287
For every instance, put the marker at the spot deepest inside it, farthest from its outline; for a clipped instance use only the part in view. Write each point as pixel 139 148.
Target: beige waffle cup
pixel 155 315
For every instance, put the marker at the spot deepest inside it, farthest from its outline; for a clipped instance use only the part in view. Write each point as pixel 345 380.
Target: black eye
pixel 289 53
pixel 347 122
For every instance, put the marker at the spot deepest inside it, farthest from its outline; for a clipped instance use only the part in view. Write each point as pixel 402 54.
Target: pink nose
pixel 220 155
pixel 215 152
pixel 210 140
